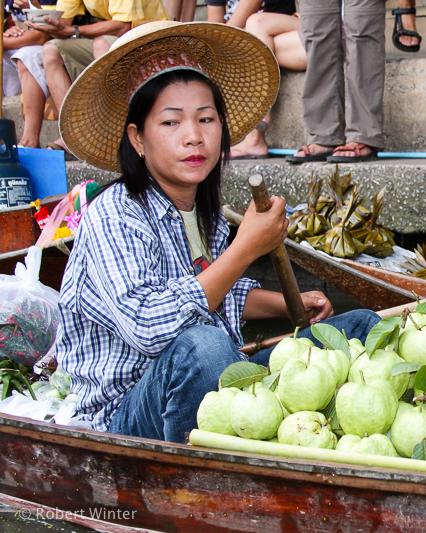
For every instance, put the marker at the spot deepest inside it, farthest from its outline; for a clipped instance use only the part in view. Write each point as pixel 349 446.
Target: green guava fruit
pixel 214 413
pixel 412 345
pixel 379 365
pixel 306 386
pixel 287 349
pixel 256 416
pixel 337 359
pixel 307 428
pixel 366 408
pixel 408 429
pixel 414 319
pixel 376 444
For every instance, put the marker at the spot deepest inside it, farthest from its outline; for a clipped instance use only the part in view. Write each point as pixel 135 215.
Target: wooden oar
pixel 283 269
pixel 252 348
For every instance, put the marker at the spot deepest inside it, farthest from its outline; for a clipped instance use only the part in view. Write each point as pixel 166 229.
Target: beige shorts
pixel 77 53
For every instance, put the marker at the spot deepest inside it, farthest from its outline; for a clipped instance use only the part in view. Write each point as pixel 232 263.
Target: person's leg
pixel 163 404
pixel 100 47
pixel 11 83
pixel 323 93
pixel 365 72
pixel 280 33
pixel 188 10
pixel 173 8
pixel 356 324
pixel 34 102
pixel 58 79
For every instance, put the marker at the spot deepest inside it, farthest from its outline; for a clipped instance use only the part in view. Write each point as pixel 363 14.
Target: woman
pixel 152 300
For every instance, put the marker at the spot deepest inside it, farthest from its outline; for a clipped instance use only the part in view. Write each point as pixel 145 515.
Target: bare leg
pixel 188 10
pixel 100 47
pixel 57 76
pixel 173 8
pixel 409 23
pixel 34 101
pixel 279 32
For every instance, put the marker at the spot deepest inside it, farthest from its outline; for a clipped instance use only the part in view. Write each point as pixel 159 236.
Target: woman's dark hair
pixel 135 173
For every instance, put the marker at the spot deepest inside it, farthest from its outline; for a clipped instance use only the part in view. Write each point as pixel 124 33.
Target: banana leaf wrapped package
pixel 378 240
pixel 339 241
pixel 307 222
pixel 339 187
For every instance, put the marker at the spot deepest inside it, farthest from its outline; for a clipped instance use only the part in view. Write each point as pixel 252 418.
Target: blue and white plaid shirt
pixel 128 290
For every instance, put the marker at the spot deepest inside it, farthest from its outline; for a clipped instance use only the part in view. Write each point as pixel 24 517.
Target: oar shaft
pixel 285 274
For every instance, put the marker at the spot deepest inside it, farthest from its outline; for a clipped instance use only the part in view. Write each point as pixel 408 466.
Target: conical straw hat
pixel 95 109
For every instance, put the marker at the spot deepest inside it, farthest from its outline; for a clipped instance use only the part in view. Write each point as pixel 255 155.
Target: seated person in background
pixel 75 46
pixel 405 36
pixel 236 12
pixel 283 36
pixel 16 41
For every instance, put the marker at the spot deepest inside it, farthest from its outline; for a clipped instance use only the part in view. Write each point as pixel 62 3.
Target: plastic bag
pixel 28 312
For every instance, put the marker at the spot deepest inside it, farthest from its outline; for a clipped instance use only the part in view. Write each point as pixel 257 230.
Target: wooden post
pixel 280 260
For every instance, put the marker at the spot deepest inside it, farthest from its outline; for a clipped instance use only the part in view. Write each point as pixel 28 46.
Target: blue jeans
pixel 163 404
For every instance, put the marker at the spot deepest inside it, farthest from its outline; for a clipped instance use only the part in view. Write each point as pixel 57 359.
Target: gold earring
pixel 141 155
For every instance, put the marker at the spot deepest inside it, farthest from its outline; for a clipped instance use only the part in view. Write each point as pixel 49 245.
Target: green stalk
pixel 238 444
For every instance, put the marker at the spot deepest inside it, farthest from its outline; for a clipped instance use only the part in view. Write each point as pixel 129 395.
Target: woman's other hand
pixel 318 306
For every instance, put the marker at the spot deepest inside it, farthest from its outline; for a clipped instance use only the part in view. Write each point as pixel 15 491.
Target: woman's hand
pixel 260 233
pixel 317 306
pixel 14 31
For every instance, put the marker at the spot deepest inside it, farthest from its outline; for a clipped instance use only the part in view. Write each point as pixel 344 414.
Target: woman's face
pixel 181 140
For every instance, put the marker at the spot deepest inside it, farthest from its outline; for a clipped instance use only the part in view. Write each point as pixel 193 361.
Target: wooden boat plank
pixel 407 282
pixel 368 291
pixel 178 488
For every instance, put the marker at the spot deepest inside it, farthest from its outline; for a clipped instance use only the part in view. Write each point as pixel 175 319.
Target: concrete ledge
pixel 405 204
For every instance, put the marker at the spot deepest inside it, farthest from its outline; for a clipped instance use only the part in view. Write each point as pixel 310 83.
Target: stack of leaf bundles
pixel 307 222
pixel 339 241
pixel 378 240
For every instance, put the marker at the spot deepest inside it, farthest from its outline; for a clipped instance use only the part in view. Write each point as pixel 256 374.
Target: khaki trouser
pixel 77 53
pixel 326 119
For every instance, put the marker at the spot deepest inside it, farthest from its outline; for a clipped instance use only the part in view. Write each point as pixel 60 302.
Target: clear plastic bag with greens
pixel 28 312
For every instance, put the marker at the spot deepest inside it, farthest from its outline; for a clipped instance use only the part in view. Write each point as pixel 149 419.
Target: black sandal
pixel 399 30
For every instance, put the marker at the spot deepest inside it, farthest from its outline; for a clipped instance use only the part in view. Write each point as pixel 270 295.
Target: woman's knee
pixel 254 23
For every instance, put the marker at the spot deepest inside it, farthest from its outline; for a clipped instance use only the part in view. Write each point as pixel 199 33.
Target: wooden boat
pixel 125 484
pixel 373 288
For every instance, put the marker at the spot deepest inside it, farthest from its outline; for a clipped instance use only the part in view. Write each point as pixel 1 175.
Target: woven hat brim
pixel 95 108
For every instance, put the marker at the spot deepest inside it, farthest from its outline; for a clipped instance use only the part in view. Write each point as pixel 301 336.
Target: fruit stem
pixel 419 398
pixel 327 422
pixel 254 387
pixel 309 355
pixel 362 375
pixel 296 331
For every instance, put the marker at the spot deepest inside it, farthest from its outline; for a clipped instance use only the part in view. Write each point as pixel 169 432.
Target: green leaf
pixel 419 451
pixel 420 382
pixel 403 368
pixel 408 396
pixel 330 411
pixel 331 337
pixel 421 308
pixel 271 381
pixel 377 337
pixel 393 342
pixel 242 374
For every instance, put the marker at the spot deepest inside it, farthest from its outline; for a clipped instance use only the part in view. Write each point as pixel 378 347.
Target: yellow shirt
pixel 135 11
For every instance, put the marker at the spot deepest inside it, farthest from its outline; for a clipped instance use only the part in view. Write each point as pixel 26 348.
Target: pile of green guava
pixel 345 396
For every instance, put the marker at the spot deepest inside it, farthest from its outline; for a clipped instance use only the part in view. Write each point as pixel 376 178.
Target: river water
pixel 12 522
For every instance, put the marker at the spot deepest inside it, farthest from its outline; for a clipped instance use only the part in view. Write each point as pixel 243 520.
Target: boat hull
pixel 117 483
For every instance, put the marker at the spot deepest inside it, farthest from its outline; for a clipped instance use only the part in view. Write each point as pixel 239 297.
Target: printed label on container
pixel 15 191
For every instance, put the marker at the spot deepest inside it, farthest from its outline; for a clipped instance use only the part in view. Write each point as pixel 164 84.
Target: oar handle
pixel 281 262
